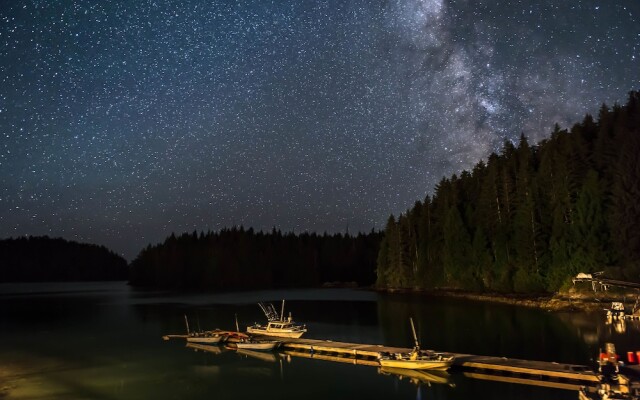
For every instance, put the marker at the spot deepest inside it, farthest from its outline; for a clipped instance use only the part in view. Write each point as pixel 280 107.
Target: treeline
pixel 529 218
pixel 236 258
pixel 40 259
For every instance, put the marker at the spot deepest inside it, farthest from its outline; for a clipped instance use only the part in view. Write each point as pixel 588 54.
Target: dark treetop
pixel 35 259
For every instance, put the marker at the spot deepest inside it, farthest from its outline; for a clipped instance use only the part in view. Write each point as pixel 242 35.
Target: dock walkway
pixel 569 375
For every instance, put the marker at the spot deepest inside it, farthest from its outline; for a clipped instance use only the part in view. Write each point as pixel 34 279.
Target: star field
pixel 124 121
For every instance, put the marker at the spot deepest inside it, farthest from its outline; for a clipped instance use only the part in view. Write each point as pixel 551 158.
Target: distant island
pixel 44 259
pixel 238 258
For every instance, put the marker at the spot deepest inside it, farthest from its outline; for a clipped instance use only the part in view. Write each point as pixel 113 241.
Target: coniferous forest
pixel 44 259
pixel 529 218
pixel 244 259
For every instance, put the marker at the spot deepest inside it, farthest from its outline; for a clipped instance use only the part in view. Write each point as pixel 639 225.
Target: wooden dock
pixel 538 373
pixel 542 373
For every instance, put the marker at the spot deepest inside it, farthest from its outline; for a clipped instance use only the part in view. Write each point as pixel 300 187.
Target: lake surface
pixel 104 341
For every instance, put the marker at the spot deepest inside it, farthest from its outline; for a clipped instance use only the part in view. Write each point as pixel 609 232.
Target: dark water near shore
pixel 103 341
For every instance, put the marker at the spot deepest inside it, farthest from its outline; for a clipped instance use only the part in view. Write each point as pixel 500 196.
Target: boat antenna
pixel 186 321
pixel 282 311
pixel 415 337
pixel 237 328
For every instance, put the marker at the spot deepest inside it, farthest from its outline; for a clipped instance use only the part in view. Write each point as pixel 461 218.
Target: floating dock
pixel 537 373
pixel 542 373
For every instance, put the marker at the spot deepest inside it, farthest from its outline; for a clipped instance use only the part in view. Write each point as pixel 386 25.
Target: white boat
pixel 254 344
pixel 416 358
pixel 204 337
pixel 277 325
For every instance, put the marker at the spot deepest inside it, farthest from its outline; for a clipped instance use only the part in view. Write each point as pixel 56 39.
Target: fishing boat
pixel 277 325
pixel 613 385
pixel 607 392
pixel 417 358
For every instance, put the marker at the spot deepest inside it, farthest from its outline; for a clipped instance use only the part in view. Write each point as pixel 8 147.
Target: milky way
pixel 124 121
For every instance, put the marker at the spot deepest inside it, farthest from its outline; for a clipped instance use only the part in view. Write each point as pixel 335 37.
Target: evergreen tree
pixel 385 255
pixel 625 193
pixel 457 251
pixel 589 229
pixel 483 273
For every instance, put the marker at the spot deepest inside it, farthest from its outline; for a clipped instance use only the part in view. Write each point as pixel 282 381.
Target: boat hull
pixel 235 337
pixel 205 339
pixel 261 346
pixel 416 364
pixel 276 333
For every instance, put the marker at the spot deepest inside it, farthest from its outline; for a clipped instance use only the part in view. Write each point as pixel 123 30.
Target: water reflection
pixel 418 377
pixel 619 324
pixel 264 356
pixel 104 342
pixel 469 327
pixel 202 347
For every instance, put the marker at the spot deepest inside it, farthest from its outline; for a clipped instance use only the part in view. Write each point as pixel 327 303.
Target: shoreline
pixel 567 301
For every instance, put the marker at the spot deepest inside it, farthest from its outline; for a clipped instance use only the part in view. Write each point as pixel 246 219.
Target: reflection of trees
pixel 480 328
pixel 583 324
pixel 595 329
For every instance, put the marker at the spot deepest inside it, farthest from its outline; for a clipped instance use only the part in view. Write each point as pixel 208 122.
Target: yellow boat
pixel 417 359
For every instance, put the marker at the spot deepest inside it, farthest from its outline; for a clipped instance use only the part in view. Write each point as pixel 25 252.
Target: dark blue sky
pixel 124 121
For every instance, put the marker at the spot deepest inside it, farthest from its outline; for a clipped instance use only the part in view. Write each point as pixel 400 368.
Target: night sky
pixel 124 121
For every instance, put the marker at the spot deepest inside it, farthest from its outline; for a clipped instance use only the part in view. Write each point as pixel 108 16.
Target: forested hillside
pixel 40 259
pixel 529 218
pixel 243 259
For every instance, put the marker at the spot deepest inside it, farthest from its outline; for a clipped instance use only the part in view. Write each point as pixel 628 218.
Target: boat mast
pixel 237 328
pixel 186 321
pixel 282 311
pixel 415 337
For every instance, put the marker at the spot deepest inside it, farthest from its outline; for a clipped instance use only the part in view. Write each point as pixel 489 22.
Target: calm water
pixel 103 341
